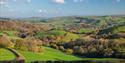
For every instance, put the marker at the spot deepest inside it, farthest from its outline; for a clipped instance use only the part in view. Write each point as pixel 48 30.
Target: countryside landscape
pixel 51 36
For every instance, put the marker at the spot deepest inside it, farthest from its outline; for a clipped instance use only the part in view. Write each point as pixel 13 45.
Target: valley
pixel 69 38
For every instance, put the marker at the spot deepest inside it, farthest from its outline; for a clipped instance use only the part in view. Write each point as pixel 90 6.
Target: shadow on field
pixel 109 61
pixel 116 61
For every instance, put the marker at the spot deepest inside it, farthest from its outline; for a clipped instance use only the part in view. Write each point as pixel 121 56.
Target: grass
pixel 85 30
pixel 48 54
pixel 56 32
pixel 119 41
pixel 1 33
pixel 6 55
pixel 9 33
pixel 50 33
pixel 119 29
pixel 67 36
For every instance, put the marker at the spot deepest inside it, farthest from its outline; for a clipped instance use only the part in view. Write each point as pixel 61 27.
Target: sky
pixel 55 8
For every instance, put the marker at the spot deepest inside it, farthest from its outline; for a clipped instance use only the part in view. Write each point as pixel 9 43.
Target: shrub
pixel 61 48
pixel 69 51
pixel 5 42
pixel 108 52
pixel 20 44
pixel 69 37
pixel 28 44
pixel 57 36
pixel 54 46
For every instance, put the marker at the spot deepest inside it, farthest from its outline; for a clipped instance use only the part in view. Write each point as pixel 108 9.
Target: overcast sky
pixel 52 8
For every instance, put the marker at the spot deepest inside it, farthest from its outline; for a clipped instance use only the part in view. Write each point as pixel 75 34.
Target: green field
pixel 51 33
pixel 67 36
pixel 54 55
pixel 6 55
pixel 49 54
pixel 85 30
pixel 9 33
pixel 121 29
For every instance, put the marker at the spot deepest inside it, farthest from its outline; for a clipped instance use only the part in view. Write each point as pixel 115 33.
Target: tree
pixel 108 52
pixel 29 44
pixel 61 48
pixel 5 42
pixel 69 51
pixel 54 46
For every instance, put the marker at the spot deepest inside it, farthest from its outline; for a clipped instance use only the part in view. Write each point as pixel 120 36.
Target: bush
pixel 57 36
pixel 54 46
pixel 61 48
pixel 69 37
pixel 28 44
pixel 108 52
pixel 5 42
pixel 69 51
pixel 20 44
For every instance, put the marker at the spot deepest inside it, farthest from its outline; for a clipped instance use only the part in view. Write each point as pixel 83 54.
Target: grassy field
pixel 50 33
pixel 67 36
pixel 121 29
pixel 6 55
pixel 48 54
pixel 55 55
pixel 9 33
pixel 85 30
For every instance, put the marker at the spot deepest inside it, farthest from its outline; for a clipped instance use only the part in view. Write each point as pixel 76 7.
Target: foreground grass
pixel 6 55
pixel 50 54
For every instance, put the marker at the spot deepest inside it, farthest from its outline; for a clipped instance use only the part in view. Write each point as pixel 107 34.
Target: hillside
pixel 6 55
pixel 114 29
pixel 48 54
pixel 64 38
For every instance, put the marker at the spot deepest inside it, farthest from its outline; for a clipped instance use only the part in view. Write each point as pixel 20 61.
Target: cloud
pixel 14 0
pixel 2 2
pixel 59 1
pixel 40 11
pixel 28 1
pixel 118 0
pixel 75 0
pixel 78 1
pixel 43 11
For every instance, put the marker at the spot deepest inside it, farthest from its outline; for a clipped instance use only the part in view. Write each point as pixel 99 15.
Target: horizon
pixel 58 8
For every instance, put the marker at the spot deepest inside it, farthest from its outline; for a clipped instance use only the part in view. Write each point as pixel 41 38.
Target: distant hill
pixel 69 21
pixel 117 30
